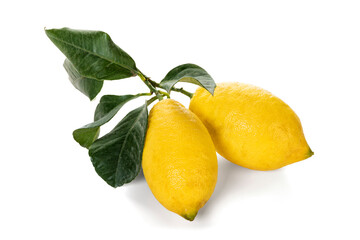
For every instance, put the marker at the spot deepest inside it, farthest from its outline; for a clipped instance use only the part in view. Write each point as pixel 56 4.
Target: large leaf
pixel 190 73
pixel 93 53
pixel 108 106
pixel 117 155
pixel 89 87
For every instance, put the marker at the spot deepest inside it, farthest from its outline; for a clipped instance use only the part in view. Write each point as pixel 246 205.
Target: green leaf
pixel 89 87
pixel 93 53
pixel 108 106
pixel 86 135
pixel 117 155
pixel 190 73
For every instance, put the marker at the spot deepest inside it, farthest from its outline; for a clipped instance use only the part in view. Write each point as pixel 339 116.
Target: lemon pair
pixel 245 124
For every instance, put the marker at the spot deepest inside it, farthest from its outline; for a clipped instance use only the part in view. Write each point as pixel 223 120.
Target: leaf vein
pixel 92 53
pixel 126 137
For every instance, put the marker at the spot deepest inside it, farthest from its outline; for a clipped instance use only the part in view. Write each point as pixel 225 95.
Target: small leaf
pixel 190 73
pixel 93 53
pixel 108 106
pixel 89 87
pixel 117 155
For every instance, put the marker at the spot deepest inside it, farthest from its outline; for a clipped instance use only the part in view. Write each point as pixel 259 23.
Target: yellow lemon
pixel 250 126
pixel 179 159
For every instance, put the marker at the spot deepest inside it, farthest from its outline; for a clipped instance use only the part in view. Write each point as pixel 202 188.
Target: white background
pixel 305 52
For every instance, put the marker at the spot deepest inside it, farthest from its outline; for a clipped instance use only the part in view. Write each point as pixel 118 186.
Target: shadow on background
pixel 234 185
pixel 139 193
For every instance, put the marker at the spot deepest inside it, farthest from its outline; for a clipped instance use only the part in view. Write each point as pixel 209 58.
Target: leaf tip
pixel 91 97
pixel 212 90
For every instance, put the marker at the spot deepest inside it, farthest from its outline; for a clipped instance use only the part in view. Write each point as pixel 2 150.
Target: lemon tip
pixel 189 216
pixel 310 153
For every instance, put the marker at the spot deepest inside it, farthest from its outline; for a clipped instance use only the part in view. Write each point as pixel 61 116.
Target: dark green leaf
pixel 108 106
pixel 93 53
pixel 89 87
pixel 117 155
pixel 190 73
pixel 86 135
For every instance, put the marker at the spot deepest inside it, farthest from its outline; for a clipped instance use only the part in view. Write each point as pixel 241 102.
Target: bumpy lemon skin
pixel 179 159
pixel 250 126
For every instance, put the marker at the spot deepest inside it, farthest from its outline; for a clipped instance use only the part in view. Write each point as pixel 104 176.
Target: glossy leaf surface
pixel 93 53
pixel 89 87
pixel 107 108
pixel 117 155
pixel 190 73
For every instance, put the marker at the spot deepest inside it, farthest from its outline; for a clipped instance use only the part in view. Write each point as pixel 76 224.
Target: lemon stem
pixel 144 94
pixel 164 93
pixel 152 85
pixel 149 85
pixel 180 90
pixel 151 100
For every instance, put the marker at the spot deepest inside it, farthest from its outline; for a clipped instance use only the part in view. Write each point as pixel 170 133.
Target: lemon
pixel 250 126
pixel 179 159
